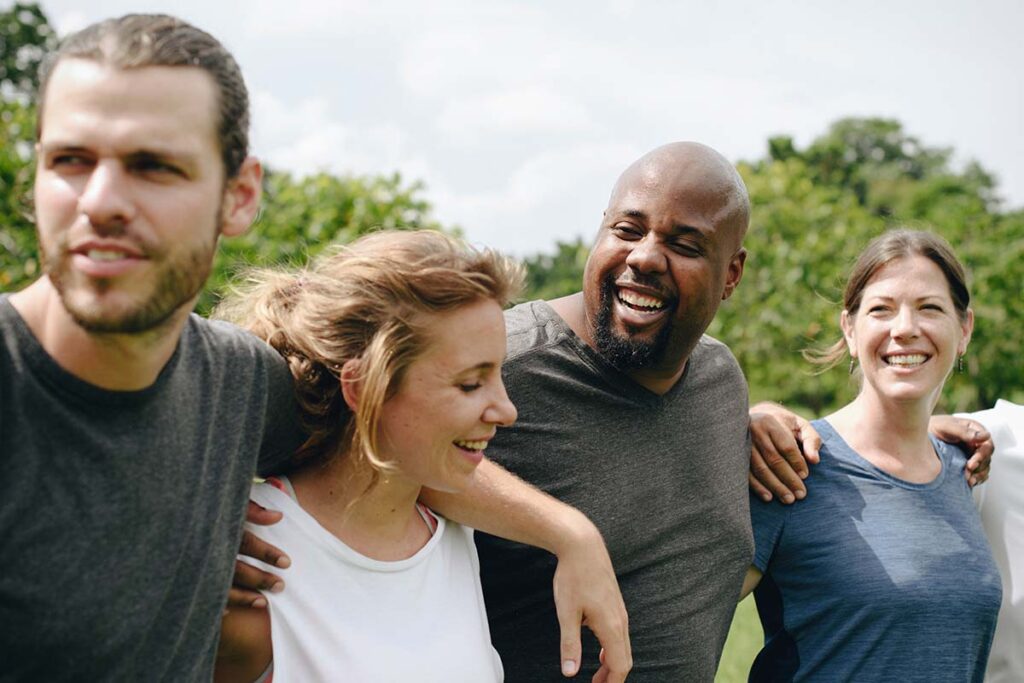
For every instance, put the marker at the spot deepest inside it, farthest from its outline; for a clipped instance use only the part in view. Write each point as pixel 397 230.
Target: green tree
pixel 25 36
pixel 303 216
pixel 549 276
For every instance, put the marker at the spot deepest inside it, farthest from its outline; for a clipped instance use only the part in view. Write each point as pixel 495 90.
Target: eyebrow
pixel 143 153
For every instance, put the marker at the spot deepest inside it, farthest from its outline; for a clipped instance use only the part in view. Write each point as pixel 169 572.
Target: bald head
pixel 686 170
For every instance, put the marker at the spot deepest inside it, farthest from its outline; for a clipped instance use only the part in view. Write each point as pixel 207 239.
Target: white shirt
pixel 1001 503
pixel 346 617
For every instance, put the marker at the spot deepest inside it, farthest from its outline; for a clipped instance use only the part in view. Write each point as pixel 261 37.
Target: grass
pixel 745 640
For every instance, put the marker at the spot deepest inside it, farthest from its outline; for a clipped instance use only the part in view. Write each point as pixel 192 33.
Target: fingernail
pixel 766 497
pixel 803 475
pixel 259 602
pixel 283 562
pixel 277 587
pixel 800 495
pixel 788 498
pixel 568 667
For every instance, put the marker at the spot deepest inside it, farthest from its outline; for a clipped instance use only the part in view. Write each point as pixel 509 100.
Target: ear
pixel 846 322
pixel 241 201
pixel 735 272
pixel 351 382
pixel 967 328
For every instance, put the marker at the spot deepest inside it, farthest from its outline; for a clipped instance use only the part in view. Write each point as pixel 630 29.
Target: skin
pixel 672 233
pixel 906 309
pixel 452 393
pixel 131 198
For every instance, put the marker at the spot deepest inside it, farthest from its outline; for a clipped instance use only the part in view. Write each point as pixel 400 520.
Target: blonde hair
pixel 888 247
pixel 371 301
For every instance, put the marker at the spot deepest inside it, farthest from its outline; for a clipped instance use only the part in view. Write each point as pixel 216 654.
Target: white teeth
pixel 103 255
pixel 908 360
pixel 472 445
pixel 634 299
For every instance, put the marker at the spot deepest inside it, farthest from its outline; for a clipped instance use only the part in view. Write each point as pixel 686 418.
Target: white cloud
pixel 522 111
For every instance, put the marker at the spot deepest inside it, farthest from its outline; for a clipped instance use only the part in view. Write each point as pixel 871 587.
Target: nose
pixel 105 199
pixel 500 411
pixel 904 325
pixel 646 255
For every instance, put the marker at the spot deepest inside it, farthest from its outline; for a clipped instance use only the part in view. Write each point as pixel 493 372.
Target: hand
pixel 971 436
pixel 587 594
pixel 781 445
pixel 248 580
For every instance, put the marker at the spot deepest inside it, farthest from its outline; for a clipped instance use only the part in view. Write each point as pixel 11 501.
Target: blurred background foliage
pixel 814 209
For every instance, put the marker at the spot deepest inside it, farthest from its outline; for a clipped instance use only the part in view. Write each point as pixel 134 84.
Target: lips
pixel 905 360
pixel 104 259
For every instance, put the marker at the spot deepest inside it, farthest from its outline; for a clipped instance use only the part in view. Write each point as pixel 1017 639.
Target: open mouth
pixel 643 303
pixel 471 446
pixel 906 360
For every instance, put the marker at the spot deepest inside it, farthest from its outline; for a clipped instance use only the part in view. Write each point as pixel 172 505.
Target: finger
pixel 570 649
pixel 257 514
pixel 780 450
pixel 245 598
pixel 758 488
pixel 248 577
pixel 810 440
pixel 256 548
pixel 616 655
pixel 768 476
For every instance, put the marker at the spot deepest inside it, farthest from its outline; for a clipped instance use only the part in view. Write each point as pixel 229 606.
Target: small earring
pixel 853 365
pixel 960 363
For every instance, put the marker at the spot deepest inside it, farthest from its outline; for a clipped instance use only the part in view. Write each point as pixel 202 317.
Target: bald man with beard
pixel 631 413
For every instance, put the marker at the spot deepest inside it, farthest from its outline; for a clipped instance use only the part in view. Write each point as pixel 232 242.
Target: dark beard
pixel 625 353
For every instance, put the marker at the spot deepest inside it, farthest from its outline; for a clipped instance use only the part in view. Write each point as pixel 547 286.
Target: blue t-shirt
pixel 872 578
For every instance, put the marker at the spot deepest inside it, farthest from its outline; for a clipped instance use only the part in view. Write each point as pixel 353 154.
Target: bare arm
pixel 750 581
pixel 586 590
pixel 245 649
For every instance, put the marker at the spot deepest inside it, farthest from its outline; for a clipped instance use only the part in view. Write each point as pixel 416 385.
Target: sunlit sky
pixel 518 116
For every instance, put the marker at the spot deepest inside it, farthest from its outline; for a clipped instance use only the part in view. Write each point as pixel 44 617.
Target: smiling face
pixel 907 332
pixel 130 191
pixel 668 252
pixel 451 399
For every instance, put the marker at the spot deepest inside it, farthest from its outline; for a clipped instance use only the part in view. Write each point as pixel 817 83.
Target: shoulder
pixel 532 325
pixel 712 359
pixel 229 343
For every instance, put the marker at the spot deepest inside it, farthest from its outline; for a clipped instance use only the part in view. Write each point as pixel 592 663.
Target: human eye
pixel 686 248
pixel 69 161
pixel 627 232
pixel 153 165
pixel 469 387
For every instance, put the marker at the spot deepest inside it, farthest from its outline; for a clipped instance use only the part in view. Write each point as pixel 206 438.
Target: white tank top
pixel 346 617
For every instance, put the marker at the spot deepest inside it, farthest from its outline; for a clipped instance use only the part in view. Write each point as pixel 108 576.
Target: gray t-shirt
pixel 663 477
pixel 121 512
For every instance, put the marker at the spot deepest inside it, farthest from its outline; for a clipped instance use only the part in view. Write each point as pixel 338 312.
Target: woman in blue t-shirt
pixel 883 572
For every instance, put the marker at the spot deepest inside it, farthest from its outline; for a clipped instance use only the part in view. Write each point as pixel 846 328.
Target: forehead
pixel 89 103
pixel 464 337
pixel 677 195
pixel 908 275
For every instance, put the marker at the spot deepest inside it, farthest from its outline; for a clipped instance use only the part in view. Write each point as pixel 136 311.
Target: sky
pixel 519 116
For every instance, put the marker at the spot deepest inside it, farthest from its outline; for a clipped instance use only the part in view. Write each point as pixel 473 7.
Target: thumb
pixel 570 646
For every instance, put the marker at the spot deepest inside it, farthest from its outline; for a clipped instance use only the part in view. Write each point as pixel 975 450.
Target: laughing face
pixel 907 332
pixel 451 399
pixel 667 254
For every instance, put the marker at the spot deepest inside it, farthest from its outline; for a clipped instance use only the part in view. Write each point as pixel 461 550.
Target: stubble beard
pixel 177 280
pixel 623 352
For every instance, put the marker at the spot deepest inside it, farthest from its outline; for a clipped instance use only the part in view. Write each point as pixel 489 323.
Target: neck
pixel 891 435
pixel 119 362
pixel 381 522
pixel 572 309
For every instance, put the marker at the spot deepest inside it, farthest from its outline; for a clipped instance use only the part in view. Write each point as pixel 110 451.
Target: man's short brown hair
pixel 138 40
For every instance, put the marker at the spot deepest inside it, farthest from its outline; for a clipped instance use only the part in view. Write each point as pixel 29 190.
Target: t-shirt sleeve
pixel 768 520
pixel 283 434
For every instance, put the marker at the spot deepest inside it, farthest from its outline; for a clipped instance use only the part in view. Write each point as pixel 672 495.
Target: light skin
pixel 131 198
pixel 433 430
pixel 906 336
